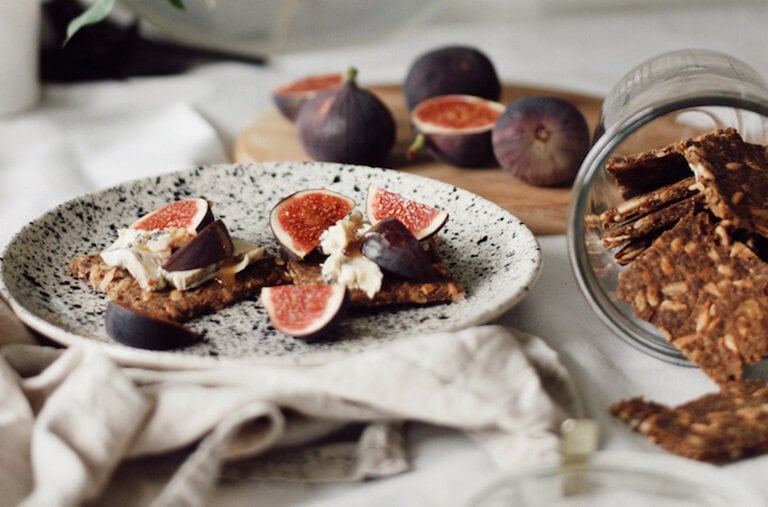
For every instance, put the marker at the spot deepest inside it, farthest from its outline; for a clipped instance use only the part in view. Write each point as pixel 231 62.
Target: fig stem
pixel 416 147
pixel 350 75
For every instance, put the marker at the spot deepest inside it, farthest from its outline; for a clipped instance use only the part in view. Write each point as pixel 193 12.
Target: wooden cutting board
pixel 271 137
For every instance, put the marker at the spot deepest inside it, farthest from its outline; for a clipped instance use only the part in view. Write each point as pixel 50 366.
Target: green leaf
pixel 95 13
pixel 179 4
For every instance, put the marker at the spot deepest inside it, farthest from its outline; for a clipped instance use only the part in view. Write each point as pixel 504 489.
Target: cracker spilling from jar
pixel 719 427
pixel 692 237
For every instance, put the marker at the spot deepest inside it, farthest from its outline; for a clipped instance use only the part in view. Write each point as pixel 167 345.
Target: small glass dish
pixel 668 98
pixel 612 478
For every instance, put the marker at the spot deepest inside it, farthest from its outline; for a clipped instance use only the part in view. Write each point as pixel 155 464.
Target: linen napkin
pixel 73 419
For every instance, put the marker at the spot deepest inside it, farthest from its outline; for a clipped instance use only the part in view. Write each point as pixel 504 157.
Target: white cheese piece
pixel 142 254
pixel 356 272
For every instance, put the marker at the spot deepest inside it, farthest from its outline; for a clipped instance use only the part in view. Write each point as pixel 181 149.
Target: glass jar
pixel 671 97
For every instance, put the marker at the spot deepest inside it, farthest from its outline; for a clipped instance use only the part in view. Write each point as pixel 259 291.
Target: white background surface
pixel 84 137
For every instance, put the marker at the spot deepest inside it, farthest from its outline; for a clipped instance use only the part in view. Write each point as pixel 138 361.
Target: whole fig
pixel 541 140
pixel 451 70
pixel 347 124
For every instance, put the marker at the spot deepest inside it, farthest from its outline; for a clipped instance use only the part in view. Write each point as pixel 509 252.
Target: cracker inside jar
pixel 691 234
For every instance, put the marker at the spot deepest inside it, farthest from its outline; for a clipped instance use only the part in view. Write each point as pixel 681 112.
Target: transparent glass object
pixel 673 96
pixel 621 478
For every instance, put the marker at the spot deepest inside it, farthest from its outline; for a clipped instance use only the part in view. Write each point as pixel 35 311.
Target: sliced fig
pixel 305 311
pixel 300 219
pixel 212 244
pixel 135 329
pixel 541 140
pixel 421 219
pixel 393 248
pixel 291 96
pixel 190 214
pixel 451 70
pixel 346 124
pixel 456 129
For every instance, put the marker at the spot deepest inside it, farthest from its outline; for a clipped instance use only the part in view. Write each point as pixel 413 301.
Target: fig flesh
pixel 291 96
pixel 393 248
pixel 541 140
pixel 456 129
pixel 189 214
pixel 451 70
pixel 421 219
pixel 299 220
pixel 307 312
pixel 211 245
pixel 347 124
pixel 135 329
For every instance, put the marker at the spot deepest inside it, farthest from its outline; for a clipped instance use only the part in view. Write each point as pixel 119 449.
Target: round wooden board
pixel 271 137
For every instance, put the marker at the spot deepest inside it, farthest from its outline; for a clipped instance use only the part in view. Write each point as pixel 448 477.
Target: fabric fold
pixel 337 421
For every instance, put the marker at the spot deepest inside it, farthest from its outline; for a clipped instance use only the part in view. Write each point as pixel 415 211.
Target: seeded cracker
pixel 177 305
pixel 644 172
pixel 706 293
pixel 733 176
pixel 719 427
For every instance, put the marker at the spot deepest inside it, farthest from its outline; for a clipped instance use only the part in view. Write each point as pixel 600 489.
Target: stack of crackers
pixel 691 234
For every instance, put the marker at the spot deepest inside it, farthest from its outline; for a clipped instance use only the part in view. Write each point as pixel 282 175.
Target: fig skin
pixel 290 97
pixel 393 248
pixel 347 124
pixel 451 70
pixel 135 329
pixel 468 146
pixel 541 140
pixel 212 244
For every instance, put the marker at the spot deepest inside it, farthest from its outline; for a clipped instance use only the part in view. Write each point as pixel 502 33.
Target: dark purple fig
pixel 291 96
pixel 451 70
pixel 190 214
pixel 541 140
pixel 212 244
pixel 135 329
pixel 347 124
pixel 305 311
pixel 393 248
pixel 456 129
pixel 299 220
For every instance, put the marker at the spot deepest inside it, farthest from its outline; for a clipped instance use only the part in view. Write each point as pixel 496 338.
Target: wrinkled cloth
pixel 72 417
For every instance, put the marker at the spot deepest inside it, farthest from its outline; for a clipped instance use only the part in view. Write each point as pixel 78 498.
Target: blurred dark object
pixel 109 50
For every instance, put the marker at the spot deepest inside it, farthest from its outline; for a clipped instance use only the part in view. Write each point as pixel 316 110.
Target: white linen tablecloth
pixel 84 137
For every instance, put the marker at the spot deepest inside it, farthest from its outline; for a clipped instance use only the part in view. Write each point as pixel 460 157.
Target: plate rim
pixel 132 356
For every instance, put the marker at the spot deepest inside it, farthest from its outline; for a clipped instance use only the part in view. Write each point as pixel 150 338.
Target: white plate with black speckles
pixel 490 251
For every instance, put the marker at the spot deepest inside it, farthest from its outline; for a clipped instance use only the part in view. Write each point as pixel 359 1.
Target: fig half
pixel 393 248
pixel 451 70
pixel 291 96
pixel 541 140
pixel 212 244
pixel 456 129
pixel 421 219
pixel 190 214
pixel 346 124
pixel 135 329
pixel 299 220
pixel 307 312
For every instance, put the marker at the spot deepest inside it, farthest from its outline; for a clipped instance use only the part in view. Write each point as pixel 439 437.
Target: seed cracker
pixel 733 175
pixel 680 284
pixel 644 172
pixel 177 305
pixel 718 427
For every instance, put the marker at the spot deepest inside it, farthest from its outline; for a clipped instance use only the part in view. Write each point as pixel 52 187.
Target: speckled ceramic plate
pixel 490 251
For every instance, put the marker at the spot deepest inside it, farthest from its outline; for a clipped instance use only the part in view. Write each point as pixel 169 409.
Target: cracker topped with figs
pixel 180 262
